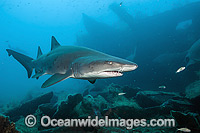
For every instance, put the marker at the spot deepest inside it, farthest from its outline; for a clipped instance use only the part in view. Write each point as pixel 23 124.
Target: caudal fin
pixel 23 59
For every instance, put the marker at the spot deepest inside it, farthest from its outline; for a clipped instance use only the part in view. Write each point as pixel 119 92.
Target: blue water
pixel 25 25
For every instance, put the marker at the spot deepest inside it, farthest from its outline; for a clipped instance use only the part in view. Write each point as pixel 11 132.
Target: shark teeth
pixel 116 73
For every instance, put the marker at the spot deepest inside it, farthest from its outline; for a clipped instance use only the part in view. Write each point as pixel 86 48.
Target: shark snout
pixel 129 67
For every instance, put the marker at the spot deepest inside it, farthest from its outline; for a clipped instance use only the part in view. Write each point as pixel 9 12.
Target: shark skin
pixel 77 62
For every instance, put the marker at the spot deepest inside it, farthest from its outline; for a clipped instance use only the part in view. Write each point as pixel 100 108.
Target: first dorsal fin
pixel 54 43
pixel 39 52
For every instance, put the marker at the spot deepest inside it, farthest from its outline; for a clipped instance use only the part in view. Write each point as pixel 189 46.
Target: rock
pixel 193 90
pixel 123 107
pixel 193 93
pixel 86 92
pixel 85 107
pixel 74 100
pixel 65 109
pixel 6 126
pixel 130 91
pixel 29 107
pixel 166 107
pixel 157 103
pixel 178 104
pixel 69 130
pixel 114 130
pixel 91 106
pixel 114 88
pixel 100 103
pixel 111 91
pixel 189 120
pixel 21 126
pixel 148 99
pixel 125 112
pixel 47 109
pixel 112 102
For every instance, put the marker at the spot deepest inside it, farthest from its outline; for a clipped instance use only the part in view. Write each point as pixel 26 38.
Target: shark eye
pixel 110 62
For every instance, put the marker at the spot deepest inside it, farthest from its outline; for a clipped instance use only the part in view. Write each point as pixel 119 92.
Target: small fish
pixel 162 87
pixel 180 69
pixel 184 130
pixel 121 94
pixel 120 4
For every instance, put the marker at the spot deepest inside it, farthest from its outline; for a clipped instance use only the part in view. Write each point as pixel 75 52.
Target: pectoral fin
pixel 92 81
pixel 56 78
pixel 37 75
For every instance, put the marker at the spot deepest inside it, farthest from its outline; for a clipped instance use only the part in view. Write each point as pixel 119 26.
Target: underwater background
pixel 155 34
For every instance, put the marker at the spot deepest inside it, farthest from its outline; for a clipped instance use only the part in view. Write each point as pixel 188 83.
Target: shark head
pixel 97 68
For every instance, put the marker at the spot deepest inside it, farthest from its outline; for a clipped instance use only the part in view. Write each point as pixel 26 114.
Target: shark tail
pixel 22 59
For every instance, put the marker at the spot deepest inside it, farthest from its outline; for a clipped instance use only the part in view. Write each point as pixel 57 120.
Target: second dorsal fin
pixel 39 52
pixel 54 43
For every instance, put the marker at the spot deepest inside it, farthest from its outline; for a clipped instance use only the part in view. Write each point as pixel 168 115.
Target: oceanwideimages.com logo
pixel 30 121
pixel 46 121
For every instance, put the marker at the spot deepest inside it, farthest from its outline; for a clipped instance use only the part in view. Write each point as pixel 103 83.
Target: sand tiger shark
pixel 77 62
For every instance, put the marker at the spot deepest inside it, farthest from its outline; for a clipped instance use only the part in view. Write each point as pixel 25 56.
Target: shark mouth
pixel 114 73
